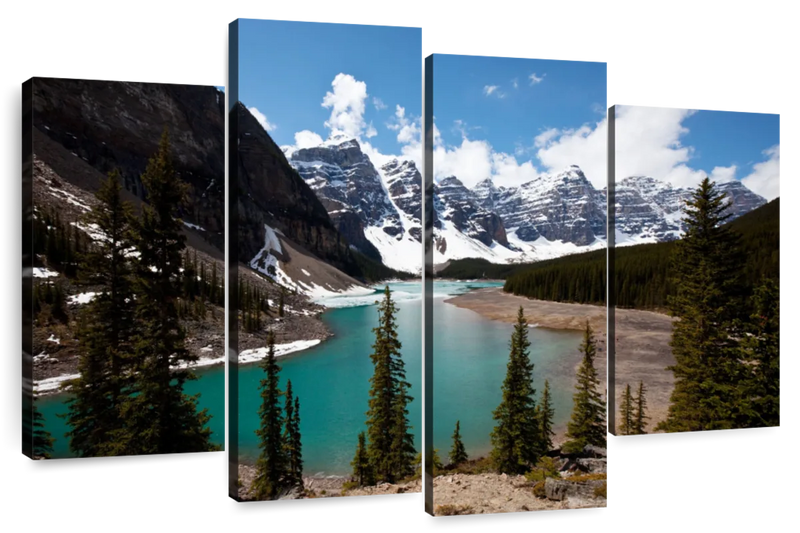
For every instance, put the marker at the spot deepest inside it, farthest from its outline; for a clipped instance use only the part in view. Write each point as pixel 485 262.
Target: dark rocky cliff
pixel 116 123
pixel 108 124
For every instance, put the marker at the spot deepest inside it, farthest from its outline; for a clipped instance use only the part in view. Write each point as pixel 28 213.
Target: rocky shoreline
pixel 57 350
pixel 580 483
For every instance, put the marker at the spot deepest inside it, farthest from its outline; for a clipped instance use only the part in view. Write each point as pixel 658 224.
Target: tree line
pixel 579 278
pixel 642 273
pixel 133 364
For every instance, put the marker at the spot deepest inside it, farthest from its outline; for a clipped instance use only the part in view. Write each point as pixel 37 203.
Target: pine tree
pixel 272 466
pixel 458 454
pixel 165 420
pixel 42 440
pixel 106 330
pixel 546 414
pixel 759 349
pixel 639 416
pixel 291 438
pixel 626 414
pixel 587 425
pixel 280 301
pixel 362 471
pixel 705 272
pixel 391 450
pixel 516 443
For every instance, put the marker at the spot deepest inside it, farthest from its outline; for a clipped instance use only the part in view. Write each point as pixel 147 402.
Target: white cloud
pixel 409 135
pixel 515 83
pixel 648 143
pixel 536 79
pixel 475 160
pixel 306 139
pixel 302 139
pixel 765 178
pixel 262 119
pixel 488 90
pixel 346 103
pixel 584 146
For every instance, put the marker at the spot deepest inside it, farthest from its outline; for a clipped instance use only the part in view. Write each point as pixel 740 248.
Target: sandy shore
pixel 642 337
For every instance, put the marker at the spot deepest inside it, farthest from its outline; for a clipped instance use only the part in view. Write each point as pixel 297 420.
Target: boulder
pixel 591 465
pixel 563 489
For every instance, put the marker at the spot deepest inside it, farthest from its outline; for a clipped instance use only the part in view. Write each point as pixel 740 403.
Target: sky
pixel 513 119
pixel 306 81
pixel 684 146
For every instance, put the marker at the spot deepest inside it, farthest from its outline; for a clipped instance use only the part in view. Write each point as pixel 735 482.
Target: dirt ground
pixel 642 338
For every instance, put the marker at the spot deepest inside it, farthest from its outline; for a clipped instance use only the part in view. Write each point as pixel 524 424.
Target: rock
pixel 592 465
pixel 594 451
pixel 563 489
pixel 295 493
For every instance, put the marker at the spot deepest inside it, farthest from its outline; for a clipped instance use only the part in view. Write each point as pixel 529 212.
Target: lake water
pixel 332 378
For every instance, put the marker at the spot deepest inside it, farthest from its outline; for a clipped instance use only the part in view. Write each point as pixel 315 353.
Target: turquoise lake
pixel 332 378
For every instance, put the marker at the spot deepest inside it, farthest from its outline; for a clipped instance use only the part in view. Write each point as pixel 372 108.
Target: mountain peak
pixel 450 181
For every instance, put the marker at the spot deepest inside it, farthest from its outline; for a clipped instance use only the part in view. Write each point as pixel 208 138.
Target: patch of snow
pixel 305 272
pixel 257 354
pixel 44 273
pixel 193 226
pixel 82 298
pixel 52 384
pixel 53 338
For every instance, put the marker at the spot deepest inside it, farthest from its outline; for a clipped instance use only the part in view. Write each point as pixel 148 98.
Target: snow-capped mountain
pixel 650 210
pixel 378 211
pixel 550 216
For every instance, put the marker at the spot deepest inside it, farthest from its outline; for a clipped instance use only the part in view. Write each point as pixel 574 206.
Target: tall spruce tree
pixel 272 466
pixel 546 414
pixel 705 273
pixel 640 417
pixel 291 438
pixel 362 471
pixel 587 425
pixel 391 449
pixel 516 443
pixel 759 350
pixel 626 412
pixel 42 439
pixel 106 330
pixel 165 420
pixel 458 453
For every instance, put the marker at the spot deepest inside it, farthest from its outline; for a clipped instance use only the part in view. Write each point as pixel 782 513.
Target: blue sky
pixel 287 68
pixel 504 118
pixel 683 146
